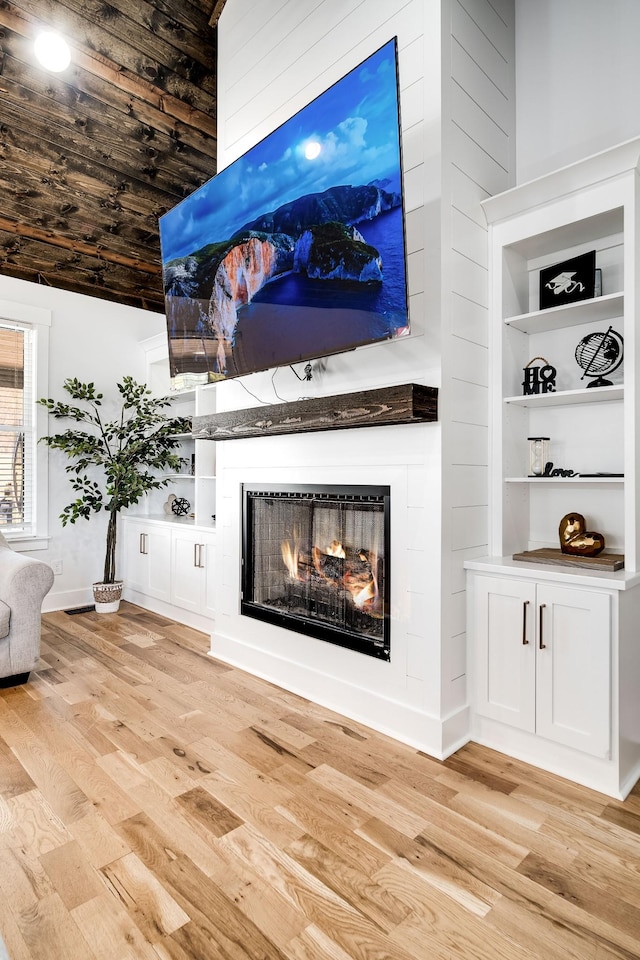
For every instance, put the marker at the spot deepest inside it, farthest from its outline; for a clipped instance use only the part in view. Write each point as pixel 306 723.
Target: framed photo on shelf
pixel 568 281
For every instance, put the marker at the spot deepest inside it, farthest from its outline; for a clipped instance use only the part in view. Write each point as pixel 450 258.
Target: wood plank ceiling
pixel 90 158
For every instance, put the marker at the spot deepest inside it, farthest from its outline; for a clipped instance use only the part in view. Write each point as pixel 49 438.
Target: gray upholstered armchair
pixel 24 583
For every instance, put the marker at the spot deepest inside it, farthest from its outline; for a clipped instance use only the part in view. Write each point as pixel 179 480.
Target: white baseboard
pixel 168 610
pixel 67 599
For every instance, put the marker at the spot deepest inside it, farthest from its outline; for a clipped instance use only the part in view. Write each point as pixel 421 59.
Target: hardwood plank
pixel 153 909
pixel 99 840
pixel 36 824
pixel 372 899
pixel 252 808
pixel 109 931
pixel 596 900
pixel 49 931
pixel 213 816
pixel 14 779
pixel 71 876
pixel 351 930
pixel 220 922
pixel 428 856
pixel 407 822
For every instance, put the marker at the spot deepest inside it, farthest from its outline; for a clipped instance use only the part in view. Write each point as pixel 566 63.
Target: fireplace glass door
pixel 316 560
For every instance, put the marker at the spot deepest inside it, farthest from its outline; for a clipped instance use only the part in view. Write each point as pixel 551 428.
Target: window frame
pixel 39 320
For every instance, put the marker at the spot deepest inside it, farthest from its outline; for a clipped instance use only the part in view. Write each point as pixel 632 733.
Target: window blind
pixel 17 439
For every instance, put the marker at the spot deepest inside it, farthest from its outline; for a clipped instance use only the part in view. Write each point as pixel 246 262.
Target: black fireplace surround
pixel 315 560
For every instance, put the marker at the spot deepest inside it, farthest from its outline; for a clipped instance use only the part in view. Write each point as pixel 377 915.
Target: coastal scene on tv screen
pixel 296 250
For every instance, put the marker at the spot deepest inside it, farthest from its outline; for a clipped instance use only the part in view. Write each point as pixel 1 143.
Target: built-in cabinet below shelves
pixel 554 667
pixel 169 566
pixel 554 662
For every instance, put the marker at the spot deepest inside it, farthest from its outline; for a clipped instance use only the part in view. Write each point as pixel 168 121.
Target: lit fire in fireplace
pixel 353 571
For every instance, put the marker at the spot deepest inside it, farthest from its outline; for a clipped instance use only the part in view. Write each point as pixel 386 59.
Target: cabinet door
pixel 210 586
pixel 574 668
pixel 504 650
pixel 158 556
pixel 187 573
pixel 147 554
pixel 135 560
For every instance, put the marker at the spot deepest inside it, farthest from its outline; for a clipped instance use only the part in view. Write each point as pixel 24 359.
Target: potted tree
pixel 113 462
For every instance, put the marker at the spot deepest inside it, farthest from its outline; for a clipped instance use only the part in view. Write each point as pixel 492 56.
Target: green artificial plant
pixel 129 452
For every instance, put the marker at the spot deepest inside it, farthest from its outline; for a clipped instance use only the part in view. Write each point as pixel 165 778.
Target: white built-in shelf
pixel 547 480
pixel 565 397
pixel 182 436
pixel 582 311
pixel 179 476
pixel 206 477
pixel 187 394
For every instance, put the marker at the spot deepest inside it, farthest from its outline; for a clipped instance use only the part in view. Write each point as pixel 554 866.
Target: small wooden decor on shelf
pixel 579 547
pixel 576 540
pixel 553 555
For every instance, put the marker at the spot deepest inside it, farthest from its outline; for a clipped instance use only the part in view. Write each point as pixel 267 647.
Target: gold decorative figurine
pixel 575 539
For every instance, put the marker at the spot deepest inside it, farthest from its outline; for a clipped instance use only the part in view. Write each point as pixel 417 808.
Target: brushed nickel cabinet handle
pixel 201 555
pixel 542 645
pixel 196 548
pixel 525 604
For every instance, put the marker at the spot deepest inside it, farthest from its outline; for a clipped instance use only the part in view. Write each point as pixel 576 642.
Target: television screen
pixel 297 249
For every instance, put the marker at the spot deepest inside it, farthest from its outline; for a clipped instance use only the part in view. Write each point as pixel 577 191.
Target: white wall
pixel 456 70
pixel 478 149
pixel 93 340
pixel 577 80
pixel 273 59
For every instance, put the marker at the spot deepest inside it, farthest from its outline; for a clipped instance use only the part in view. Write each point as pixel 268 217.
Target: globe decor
pixel 599 354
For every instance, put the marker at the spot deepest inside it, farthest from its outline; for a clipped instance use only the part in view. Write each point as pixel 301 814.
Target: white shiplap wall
pixel 477 161
pixel 274 57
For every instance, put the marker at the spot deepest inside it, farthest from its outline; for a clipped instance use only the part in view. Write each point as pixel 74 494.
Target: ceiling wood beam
pixel 91 159
pixel 218 7
pixel 77 246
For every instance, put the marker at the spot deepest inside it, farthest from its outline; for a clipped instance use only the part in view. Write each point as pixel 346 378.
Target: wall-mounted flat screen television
pixel 296 250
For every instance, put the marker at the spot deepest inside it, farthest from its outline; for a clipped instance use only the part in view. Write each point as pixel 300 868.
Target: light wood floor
pixel 155 803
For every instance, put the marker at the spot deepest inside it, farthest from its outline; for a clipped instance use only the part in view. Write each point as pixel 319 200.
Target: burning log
pixel 354 571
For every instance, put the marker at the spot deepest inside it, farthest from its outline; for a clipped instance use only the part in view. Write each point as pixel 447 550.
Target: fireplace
pixel 316 560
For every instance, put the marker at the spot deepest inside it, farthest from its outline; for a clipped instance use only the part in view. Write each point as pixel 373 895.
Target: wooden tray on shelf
pixel 603 561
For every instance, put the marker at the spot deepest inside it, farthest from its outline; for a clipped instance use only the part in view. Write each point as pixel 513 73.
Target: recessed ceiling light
pixel 52 51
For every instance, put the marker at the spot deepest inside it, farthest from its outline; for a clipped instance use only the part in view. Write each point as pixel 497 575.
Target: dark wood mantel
pixel 407 403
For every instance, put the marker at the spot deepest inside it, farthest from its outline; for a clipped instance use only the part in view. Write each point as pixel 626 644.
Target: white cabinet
pixel 147 551
pixel 169 559
pixel 169 567
pixel 543 660
pixel 192 571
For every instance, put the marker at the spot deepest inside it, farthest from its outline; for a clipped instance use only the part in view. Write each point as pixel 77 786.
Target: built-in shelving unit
pixel 599 309
pixel 566 397
pixel 590 428
pixel 197 483
pixel 553 653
